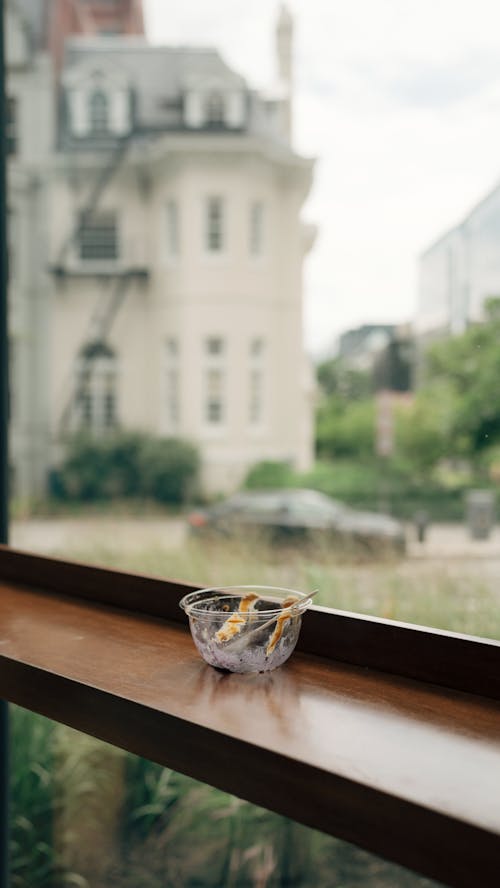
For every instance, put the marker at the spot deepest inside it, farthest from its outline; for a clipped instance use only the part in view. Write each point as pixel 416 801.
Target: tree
pixel 337 379
pixel 345 429
pixel 468 366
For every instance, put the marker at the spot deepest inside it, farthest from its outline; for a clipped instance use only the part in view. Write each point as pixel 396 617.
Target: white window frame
pixel 214 361
pixel 99 370
pixel 172 219
pixel 172 404
pixel 208 232
pixel 101 94
pixel 256 229
pixel 256 370
pixel 94 223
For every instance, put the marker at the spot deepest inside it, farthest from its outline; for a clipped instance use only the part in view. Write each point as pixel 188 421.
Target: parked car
pixel 299 514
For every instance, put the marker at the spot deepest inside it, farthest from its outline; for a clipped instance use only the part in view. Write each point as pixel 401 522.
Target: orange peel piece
pixel 234 624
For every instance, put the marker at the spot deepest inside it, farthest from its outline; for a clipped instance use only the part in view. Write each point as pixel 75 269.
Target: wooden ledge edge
pixel 460 662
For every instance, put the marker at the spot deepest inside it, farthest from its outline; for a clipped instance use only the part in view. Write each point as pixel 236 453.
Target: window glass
pixel 214 345
pixel 95 402
pixel 256 240
pixel 214 224
pixel 98 236
pixel 102 816
pixel 172 214
pixel 215 109
pixel 360 360
pixel 214 400
pixel 172 385
pixel 99 112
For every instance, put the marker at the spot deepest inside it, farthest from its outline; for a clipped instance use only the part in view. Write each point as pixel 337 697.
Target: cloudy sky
pixel 400 103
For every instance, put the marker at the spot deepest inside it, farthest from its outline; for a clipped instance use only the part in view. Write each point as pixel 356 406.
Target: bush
pixel 269 474
pixel 127 464
pixel 168 469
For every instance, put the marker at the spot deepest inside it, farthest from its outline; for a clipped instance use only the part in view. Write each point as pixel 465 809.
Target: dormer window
pixel 98 100
pixel 215 109
pixel 98 112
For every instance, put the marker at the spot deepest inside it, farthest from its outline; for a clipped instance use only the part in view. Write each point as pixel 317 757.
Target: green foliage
pixel 32 795
pixel 127 464
pixel 345 429
pixel 168 469
pixel 469 365
pixel 269 474
pixel 345 420
pixel 423 430
pixel 349 385
pixel 349 480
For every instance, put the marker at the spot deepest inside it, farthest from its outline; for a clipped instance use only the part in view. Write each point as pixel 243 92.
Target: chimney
pixel 284 46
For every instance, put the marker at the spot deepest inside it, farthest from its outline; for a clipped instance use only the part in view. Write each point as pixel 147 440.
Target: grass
pixel 174 832
pixel 456 596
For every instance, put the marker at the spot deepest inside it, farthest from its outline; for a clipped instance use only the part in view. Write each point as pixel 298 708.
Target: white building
pixel 461 271
pixel 176 251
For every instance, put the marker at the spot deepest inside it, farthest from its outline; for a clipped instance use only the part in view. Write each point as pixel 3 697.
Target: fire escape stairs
pixel 101 321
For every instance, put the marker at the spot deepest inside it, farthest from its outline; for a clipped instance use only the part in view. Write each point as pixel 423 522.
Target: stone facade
pixel 173 266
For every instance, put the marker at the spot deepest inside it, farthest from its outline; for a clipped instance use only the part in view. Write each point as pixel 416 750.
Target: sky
pixel 399 102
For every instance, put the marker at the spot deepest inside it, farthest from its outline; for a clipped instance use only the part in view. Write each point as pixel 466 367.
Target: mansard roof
pixel 159 75
pixel 158 78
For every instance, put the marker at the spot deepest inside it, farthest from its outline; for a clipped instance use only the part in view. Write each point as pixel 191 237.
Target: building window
pixel 214 345
pixel 256 382
pixel 214 402
pixel 172 385
pixel 11 126
pixel 214 237
pixel 98 112
pixel 256 347
pixel 215 380
pixel 96 389
pixel 215 109
pixel 256 233
pixel 98 236
pixel 255 404
pixel 172 219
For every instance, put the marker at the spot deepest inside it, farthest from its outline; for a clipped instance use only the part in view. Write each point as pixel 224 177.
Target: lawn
pixel 457 595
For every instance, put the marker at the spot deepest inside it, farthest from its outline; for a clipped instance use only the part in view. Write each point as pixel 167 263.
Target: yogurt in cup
pixel 245 628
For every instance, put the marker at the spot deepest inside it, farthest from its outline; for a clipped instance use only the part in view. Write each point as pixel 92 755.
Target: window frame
pixel 442 659
pixel 109 236
pixel 222 227
pixel 172 217
pixel 214 362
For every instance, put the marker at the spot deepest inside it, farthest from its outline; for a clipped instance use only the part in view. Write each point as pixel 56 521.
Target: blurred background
pixel 254 327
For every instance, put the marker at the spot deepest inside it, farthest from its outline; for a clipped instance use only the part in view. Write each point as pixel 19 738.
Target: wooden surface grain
pixel 408 770
pixel 456 661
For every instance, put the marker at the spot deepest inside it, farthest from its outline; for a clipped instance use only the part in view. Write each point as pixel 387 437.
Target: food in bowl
pixel 245 628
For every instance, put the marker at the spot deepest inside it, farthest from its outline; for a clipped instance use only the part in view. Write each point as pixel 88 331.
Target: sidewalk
pixel 58 535
pixel 453 541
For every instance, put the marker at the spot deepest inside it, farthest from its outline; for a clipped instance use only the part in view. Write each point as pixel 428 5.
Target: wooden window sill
pixel 405 768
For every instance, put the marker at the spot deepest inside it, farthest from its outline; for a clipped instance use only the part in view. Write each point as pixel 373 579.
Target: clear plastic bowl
pixel 245 628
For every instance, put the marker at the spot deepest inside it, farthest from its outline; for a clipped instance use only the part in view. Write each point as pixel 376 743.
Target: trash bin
pixel 480 513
